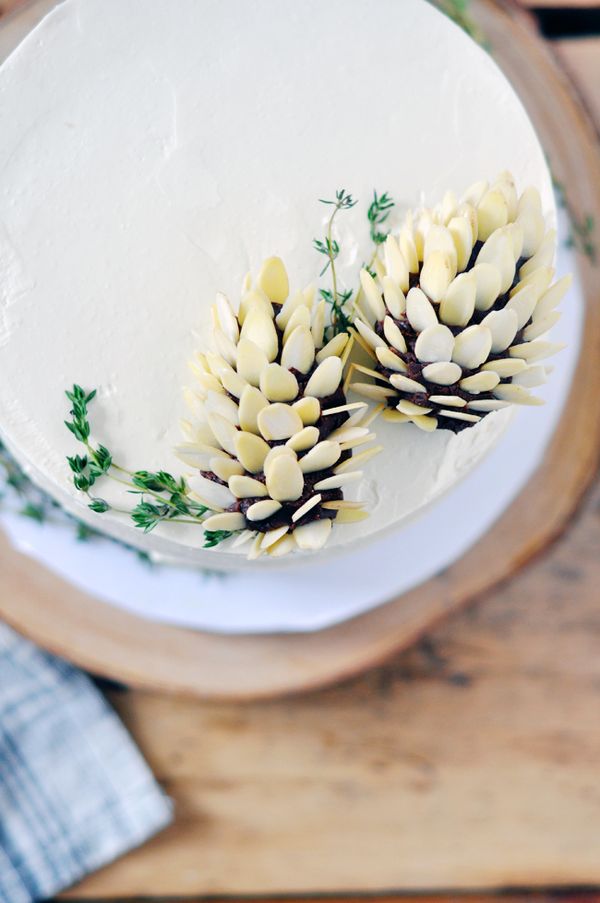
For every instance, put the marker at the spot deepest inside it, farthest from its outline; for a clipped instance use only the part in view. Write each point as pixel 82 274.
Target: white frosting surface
pixel 152 153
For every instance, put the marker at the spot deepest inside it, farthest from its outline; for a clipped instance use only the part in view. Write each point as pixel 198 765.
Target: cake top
pixel 148 161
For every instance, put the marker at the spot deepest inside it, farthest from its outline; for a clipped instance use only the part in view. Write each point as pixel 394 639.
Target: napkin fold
pixel 75 792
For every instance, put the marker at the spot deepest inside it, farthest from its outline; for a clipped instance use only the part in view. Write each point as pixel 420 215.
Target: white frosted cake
pixel 152 155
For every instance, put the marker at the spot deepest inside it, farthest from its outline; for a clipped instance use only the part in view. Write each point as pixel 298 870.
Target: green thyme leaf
pixel 212 538
pixel 377 214
pixel 99 506
pixel 34 512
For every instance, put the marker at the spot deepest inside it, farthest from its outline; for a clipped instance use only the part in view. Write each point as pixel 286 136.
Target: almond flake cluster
pixel 454 315
pixel 272 434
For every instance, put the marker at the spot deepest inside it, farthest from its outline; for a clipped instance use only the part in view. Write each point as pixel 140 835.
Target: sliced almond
pixel 251 451
pixel 259 328
pixel 370 337
pixel 487 285
pixel 300 317
pixel 251 403
pixel 503 326
pixel 317 326
pixel 404 384
pixel 435 343
pixel 427 424
pixel 359 459
pixel 419 310
pixel 498 252
pixel 543 257
pixel 391 415
pixel 326 378
pixel 285 481
pixel 313 536
pixel 246 487
pixel 321 456
pixel 531 377
pixel 393 335
pixel 523 304
pixel 224 432
pixel 393 297
pixel 391 361
pixel 233 383
pixel 292 304
pixel 278 421
pixel 486 405
pixel 271 537
pixel 304 440
pixel 453 401
pixel 534 351
pixel 278 384
pixel 215 494
pixel 553 296
pixel 273 280
pixel 225 468
pixel 506 366
pixel 309 409
pixel 351 516
pixel 462 236
pixel 375 393
pixel 541 326
pixel 338 481
pixel 395 265
pixel 412 410
pixel 263 509
pixel 251 361
pixel 372 296
pixel 492 213
pixel 229 520
pixel 333 348
pixel 443 373
pixel 299 350
pixel 253 301
pixel 458 304
pixel 437 273
pixel 311 503
pixel 484 381
pixel 459 415
pixel 472 347
pixel 516 394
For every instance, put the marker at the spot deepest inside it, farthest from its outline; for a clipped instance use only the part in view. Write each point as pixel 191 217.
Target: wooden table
pixel 470 762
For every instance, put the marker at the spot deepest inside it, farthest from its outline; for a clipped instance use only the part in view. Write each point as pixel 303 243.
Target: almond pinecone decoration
pixel 457 307
pixel 273 434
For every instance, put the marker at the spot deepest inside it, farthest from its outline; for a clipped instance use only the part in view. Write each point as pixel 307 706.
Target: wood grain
pixel 469 762
pixel 580 58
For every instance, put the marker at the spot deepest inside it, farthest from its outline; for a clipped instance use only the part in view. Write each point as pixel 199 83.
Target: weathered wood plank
pixel 580 58
pixel 471 761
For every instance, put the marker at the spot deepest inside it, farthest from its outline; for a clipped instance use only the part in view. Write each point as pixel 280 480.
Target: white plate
pixel 311 598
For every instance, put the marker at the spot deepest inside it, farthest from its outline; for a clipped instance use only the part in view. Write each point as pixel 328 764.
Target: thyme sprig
pixel 378 213
pixel 214 537
pixel 169 497
pixel 336 298
pixel 379 210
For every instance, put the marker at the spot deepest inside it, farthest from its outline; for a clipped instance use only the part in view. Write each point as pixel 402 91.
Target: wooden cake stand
pixel 110 642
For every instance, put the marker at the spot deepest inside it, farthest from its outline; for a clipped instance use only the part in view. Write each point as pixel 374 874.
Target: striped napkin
pixel 75 792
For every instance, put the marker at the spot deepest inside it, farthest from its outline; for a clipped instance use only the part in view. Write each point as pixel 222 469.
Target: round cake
pixel 154 159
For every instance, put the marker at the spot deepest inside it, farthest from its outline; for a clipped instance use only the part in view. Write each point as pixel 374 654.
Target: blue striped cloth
pixel 75 792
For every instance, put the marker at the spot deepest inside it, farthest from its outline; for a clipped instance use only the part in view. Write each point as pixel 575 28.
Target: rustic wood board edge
pixel 108 641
